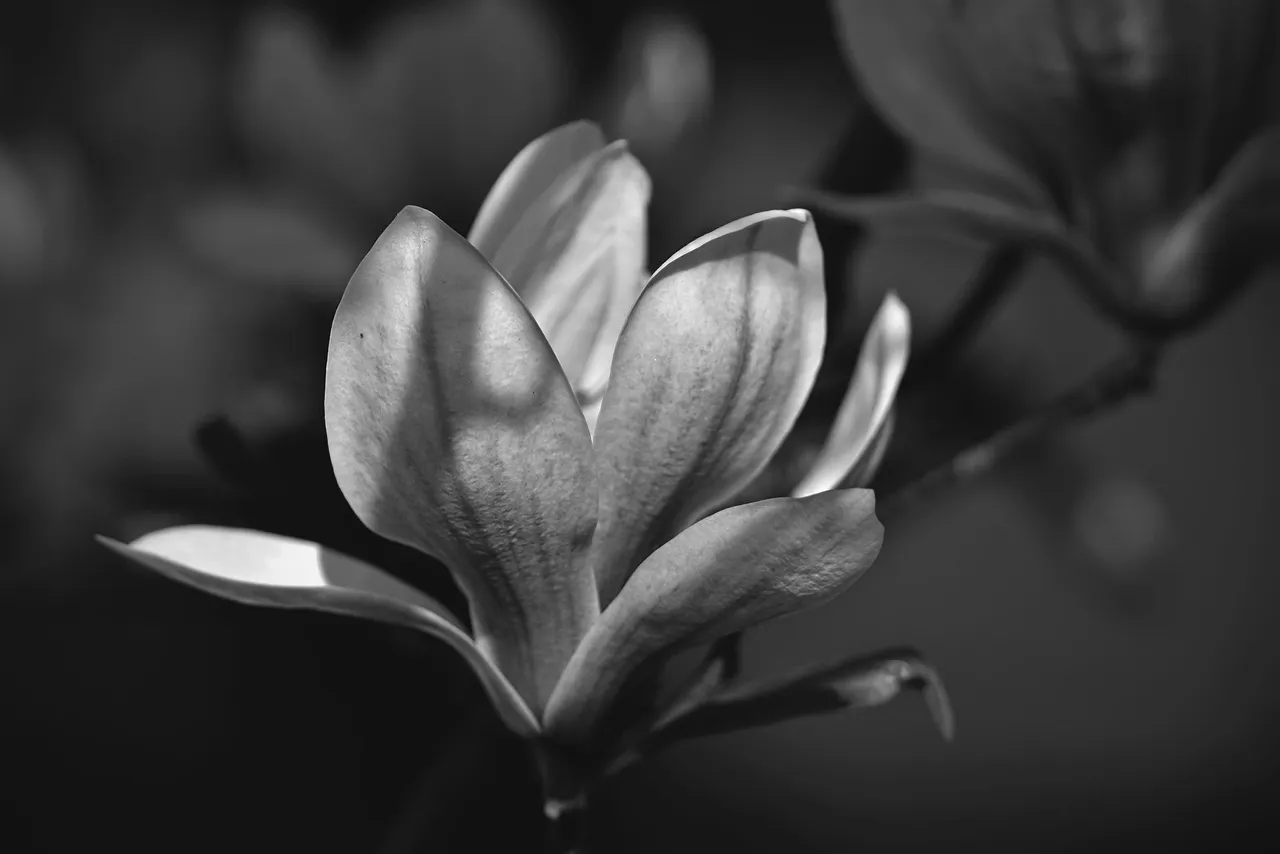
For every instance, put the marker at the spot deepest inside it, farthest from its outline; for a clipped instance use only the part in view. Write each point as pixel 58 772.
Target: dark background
pixel 182 198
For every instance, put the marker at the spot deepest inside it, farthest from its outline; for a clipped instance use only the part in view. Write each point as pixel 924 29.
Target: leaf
pixel 735 569
pixel 865 410
pixel 710 372
pixel 452 429
pixel 256 568
pixel 859 683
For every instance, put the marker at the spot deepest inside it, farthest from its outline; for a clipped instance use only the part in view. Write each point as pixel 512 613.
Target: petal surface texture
pixel 256 568
pixel 868 402
pixel 452 429
pixel 710 372
pixel 732 570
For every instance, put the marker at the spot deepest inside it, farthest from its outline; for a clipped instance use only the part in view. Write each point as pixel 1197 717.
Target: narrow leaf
pixel 859 683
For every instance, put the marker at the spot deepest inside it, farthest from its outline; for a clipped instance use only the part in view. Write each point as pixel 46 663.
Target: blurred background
pixel 185 189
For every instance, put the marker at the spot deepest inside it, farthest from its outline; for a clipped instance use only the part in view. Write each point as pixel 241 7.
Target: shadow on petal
pixel 452 429
pixel 709 375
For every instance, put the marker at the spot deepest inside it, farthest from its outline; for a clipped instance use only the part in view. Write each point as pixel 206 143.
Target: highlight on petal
pixel 256 568
pixel 711 370
pixel 575 256
pixel 452 429
pixel 737 568
pixel 860 683
pixel 867 404
pixel 532 172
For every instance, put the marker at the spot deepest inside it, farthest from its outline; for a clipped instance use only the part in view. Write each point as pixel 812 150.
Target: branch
pixel 1128 376
pixel 1000 271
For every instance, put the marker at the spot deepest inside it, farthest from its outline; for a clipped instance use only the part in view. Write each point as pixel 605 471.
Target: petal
pixel 740 567
pixel 255 568
pixel 452 429
pixel 711 370
pixel 576 255
pixel 867 404
pixel 532 172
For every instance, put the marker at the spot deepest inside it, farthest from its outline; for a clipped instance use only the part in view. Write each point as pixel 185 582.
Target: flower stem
pixel 1115 383
pixel 564 801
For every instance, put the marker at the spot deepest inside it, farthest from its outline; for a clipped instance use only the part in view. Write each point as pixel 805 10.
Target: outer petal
pixel 742 566
pixel 452 429
pixel 256 568
pixel 532 172
pixel 576 255
pixel 867 404
pixel 711 371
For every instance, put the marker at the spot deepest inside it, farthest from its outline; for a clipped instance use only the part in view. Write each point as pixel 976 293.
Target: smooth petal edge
pixel 853 431
pixel 534 169
pixel 415 610
pixel 800 215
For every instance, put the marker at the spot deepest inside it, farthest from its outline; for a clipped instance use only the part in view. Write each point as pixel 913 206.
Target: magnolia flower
pixel 1131 140
pixel 454 424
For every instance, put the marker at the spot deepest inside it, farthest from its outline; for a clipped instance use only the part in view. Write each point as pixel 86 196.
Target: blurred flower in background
pixel 1134 143
pixel 430 105
pixel 663 82
pixel 1141 127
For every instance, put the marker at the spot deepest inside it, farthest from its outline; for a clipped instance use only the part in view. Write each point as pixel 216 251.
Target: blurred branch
pixel 1117 382
pixel 985 218
pixel 1000 271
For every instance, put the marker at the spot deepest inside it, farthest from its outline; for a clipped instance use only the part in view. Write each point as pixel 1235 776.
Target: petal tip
pixel 895 317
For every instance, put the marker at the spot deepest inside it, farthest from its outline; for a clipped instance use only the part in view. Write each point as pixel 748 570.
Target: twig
pixel 1000 271
pixel 1128 376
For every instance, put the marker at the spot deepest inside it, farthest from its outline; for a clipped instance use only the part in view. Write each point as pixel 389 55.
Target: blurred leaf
pixel 272 239
pixel 1219 244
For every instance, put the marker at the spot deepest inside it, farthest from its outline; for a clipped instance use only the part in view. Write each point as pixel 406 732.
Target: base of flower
pixel 565 785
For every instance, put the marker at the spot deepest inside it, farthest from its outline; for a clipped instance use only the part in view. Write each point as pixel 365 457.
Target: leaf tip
pixel 926 679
